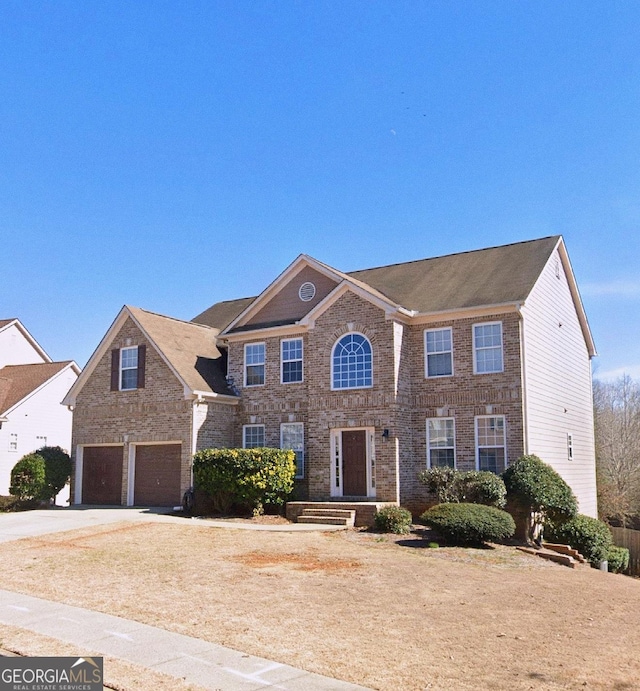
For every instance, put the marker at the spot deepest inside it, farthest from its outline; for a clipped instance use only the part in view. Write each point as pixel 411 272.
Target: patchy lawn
pixel 385 612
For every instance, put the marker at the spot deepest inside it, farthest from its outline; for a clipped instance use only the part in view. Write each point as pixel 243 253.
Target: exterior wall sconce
pixel 385 434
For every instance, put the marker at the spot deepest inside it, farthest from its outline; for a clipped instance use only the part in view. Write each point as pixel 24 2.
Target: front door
pixel 354 463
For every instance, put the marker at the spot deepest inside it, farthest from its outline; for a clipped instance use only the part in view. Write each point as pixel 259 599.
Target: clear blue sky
pixel 168 155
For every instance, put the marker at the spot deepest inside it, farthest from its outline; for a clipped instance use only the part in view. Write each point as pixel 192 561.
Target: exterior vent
pixel 307 292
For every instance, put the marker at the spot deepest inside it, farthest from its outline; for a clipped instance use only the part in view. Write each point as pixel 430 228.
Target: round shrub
pixel 591 537
pixel 57 470
pixel 469 524
pixel 27 478
pixel 393 519
pixel 472 486
pixel 618 559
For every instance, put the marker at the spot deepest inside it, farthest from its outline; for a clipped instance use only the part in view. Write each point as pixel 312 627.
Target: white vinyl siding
pixel 557 384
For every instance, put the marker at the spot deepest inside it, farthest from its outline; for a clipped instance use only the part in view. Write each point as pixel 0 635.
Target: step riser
pixel 326 520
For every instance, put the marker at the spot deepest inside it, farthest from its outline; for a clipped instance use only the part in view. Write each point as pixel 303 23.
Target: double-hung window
pixel 491 443
pixel 352 365
pixel 292 437
pixel 487 348
pixel 252 436
pixel 291 350
pixel 438 352
pixel 129 368
pixel 441 446
pixel 254 359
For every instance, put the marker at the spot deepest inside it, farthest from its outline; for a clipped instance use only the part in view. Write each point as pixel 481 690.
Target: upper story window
pixel 487 348
pixel 292 437
pixel 438 350
pixel 351 363
pixel 13 442
pixel 441 447
pixel 491 451
pixel 254 358
pixel 128 368
pixel 291 360
pixel 252 436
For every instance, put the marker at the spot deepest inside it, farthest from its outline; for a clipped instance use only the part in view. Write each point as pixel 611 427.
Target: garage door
pixel 157 475
pixel 102 474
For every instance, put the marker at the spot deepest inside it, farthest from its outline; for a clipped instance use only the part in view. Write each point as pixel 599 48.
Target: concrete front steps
pixel 331 512
pixel 561 554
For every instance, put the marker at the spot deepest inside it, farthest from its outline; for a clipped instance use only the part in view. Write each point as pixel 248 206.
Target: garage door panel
pixel 157 475
pixel 102 474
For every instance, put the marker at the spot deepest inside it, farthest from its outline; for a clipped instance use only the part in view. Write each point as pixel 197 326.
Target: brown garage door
pixel 157 475
pixel 102 474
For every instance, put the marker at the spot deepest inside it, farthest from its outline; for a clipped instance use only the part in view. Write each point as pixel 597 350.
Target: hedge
pixel 591 537
pixel 472 486
pixel 469 524
pixel 393 519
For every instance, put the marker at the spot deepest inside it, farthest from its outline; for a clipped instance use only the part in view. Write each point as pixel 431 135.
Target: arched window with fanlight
pixel 351 363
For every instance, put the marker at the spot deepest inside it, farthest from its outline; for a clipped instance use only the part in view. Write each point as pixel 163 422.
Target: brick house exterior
pixel 467 360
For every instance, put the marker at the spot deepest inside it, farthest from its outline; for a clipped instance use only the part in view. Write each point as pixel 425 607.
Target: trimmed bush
pixel 57 471
pixel 469 524
pixel 250 478
pixel 472 487
pixel 28 478
pixel 393 519
pixel 536 492
pixel 617 559
pixel 591 537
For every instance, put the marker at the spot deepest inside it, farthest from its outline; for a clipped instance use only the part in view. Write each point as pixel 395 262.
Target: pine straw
pixel 385 612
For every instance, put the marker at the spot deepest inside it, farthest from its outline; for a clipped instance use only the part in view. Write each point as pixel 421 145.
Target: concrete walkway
pixel 192 659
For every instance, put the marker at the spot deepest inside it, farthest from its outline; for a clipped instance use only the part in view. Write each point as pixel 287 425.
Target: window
pixel 569 447
pixel 254 364
pixel 490 443
pixel 292 437
pixel 291 360
pixel 128 368
pixel 441 443
pixel 13 442
pixel 438 352
pixel 487 345
pixel 252 436
pixel 352 363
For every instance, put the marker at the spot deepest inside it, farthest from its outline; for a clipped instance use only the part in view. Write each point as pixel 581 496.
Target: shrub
pixel 251 478
pixel 618 559
pixel 57 470
pixel 537 491
pixel 28 478
pixel 393 519
pixel 469 524
pixel 590 536
pixel 473 486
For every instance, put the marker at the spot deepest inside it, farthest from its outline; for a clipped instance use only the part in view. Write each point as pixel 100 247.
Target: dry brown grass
pixel 384 612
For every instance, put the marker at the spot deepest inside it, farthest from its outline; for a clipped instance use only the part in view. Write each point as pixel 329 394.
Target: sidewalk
pixel 191 659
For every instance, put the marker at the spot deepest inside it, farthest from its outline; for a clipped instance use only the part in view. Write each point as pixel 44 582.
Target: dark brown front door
pixel 157 475
pixel 354 463
pixel 102 474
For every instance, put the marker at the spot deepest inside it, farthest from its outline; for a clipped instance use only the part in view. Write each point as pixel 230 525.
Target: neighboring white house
pixel 31 391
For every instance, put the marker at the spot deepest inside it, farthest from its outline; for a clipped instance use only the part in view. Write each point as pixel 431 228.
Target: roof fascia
pixel 35 391
pixel 577 300
pixel 292 270
pixel 265 332
pixel 198 396
pixel 465 313
pixel 30 339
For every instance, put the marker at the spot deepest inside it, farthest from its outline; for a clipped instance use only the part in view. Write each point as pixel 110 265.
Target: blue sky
pixel 168 155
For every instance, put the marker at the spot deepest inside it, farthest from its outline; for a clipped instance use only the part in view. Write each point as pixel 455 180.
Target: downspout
pixel 523 379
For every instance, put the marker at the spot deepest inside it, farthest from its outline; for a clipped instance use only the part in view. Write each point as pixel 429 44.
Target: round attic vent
pixel 307 291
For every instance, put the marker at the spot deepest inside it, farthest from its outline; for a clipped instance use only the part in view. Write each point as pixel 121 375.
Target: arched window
pixel 351 362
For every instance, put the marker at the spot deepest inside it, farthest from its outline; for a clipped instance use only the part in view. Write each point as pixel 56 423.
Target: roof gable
pixel 17 382
pixel 35 350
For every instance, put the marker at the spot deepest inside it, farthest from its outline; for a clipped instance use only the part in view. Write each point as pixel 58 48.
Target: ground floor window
pixel 292 437
pixel 441 451
pixel 252 436
pixel 491 443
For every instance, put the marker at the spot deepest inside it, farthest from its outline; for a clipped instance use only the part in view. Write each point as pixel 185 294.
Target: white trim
pixel 336 469
pixel 131 460
pixel 122 369
pixel 79 467
pixel 475 348
pixel 429 448
pixel 426 353
pixel 282 360
pixel 477 446
pixel 264 363
pixel 300 424
pixel 465 313
pixel 333 350
pixel 244 435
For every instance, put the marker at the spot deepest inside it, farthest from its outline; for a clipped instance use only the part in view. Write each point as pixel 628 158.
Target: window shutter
pixel 142 357
pixel 115 369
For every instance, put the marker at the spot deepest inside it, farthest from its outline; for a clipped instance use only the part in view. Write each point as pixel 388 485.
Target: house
pixel 31 391
pixel 467 360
